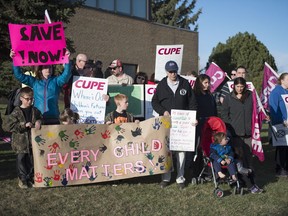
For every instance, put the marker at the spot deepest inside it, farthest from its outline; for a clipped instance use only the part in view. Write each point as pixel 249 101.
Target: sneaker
pixel 181 186
pixel 282 173
pixel 22 184
pixel 163 184
pixel 255 190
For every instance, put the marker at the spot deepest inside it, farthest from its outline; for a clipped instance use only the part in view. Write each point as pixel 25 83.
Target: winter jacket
pixel 219 152
pixel 46 91
pixel 164 98
pixel 237 114
pixel 277 106
pixel 21 136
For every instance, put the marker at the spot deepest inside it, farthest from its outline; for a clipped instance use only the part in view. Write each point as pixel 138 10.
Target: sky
pixel 266 19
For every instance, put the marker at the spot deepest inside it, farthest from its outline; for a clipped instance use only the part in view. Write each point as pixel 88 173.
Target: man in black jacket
pixel 174 92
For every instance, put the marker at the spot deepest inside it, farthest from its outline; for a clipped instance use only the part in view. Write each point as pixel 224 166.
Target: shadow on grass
pixel 7 162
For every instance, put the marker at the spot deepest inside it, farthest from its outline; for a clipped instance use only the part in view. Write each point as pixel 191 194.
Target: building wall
pixel 105 36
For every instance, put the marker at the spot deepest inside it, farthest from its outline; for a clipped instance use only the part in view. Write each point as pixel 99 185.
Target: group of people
pixel 40 106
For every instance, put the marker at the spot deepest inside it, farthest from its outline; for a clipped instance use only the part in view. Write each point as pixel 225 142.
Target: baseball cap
pixel 116 63
pixel 171 66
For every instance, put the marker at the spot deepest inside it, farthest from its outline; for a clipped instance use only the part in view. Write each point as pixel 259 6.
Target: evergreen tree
pixel 243 49
pixel 28 12
pixel 175 13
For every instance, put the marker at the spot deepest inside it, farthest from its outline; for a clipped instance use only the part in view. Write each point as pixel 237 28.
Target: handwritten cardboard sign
pixel 84 154
pixel 182 133
pixel 87 100
pixel 39 44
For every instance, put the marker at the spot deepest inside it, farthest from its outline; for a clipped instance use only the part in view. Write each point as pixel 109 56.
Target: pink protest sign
pixel 41 44
pixel 216 74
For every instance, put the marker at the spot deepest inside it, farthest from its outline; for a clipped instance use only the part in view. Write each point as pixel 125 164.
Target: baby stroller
pixel 211 126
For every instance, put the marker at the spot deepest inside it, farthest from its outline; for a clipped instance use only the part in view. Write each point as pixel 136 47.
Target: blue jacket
pixel 46 91
pixel 219 152
pixel 277 106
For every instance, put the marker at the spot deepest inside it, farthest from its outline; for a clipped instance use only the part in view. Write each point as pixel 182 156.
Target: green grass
pixel 142 196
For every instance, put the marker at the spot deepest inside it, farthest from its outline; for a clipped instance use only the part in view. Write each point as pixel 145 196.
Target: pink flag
pixel 256 127
pixel 216 74
pixel 269 82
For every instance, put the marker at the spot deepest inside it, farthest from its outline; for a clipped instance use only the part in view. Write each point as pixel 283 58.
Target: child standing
pixel 67 116
pixel 222 154
pixel 20 122
pixel 120 115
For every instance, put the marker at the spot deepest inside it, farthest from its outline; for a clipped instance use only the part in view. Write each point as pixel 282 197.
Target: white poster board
pixel 165 53
pixel 182 133
pixel 249 85
pixel 190 79
pixel 86 99
pixel 279 135
pixel 149 92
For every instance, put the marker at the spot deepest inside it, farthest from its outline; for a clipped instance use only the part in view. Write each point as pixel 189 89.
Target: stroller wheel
pixel 219 193
pixel 194 181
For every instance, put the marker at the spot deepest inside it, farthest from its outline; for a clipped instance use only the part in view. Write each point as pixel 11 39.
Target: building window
pixel 106 4
pixel 134 8
pixel 139 8
pixel 123 6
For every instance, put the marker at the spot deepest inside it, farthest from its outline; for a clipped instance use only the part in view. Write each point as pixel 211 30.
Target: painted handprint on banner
pixel 87 166
pixel 106 134
pixel 161 159
pixel 119 129
pixel 63 136
pixel 54 147
pixel 90 130
pixel 56 176
pixel 137 132
pixel 60 165
pixel 103 149
pixel 64 181
pixel 48 167
pixel 92 178
pixel 38 177
pixel 79 134
pixel 74 144
pixel 41 152
pixel 157 124
pixel 150 156
pixel 48 182
pixel 166 123
pixel 119 138
pixel 151 171
pixel 39 140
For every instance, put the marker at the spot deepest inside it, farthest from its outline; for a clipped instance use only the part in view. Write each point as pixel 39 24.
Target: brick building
pixel 107 35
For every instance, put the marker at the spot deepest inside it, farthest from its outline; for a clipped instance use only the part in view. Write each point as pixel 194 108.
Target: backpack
pixel 13 101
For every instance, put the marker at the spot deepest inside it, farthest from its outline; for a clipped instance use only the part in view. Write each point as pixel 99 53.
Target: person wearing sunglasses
pixel 141 78
pixel 20 122
pixel 174 92
pixel 118 77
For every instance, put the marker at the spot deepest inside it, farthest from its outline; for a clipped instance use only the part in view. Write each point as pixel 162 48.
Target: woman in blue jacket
pixel 278 113
pixel 46 87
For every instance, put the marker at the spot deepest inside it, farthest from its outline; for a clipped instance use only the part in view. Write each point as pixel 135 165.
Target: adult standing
pixel 173 92
pixel 77 70
pixel 278 113
pixel 46 88
pixel 237 114
pixel 118 76
pixel 240 72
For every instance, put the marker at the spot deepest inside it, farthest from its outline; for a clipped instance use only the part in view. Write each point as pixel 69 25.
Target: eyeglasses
pixel 142 78
pixel 233 74
pixel 28 99
pixel 114 68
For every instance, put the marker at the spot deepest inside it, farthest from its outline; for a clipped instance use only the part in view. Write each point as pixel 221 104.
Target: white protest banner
pixel 149 92
pixel 182 133
pixel 86 99
pixel 165 53
pixel 249 85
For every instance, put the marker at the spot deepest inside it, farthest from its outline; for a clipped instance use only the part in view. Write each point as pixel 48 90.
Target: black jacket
pixel 238 115
pixel 164 99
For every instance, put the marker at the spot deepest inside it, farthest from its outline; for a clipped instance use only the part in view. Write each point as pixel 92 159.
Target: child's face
pixel 26 100
pixel 123 104
pixel 69 121
pixel 224 141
